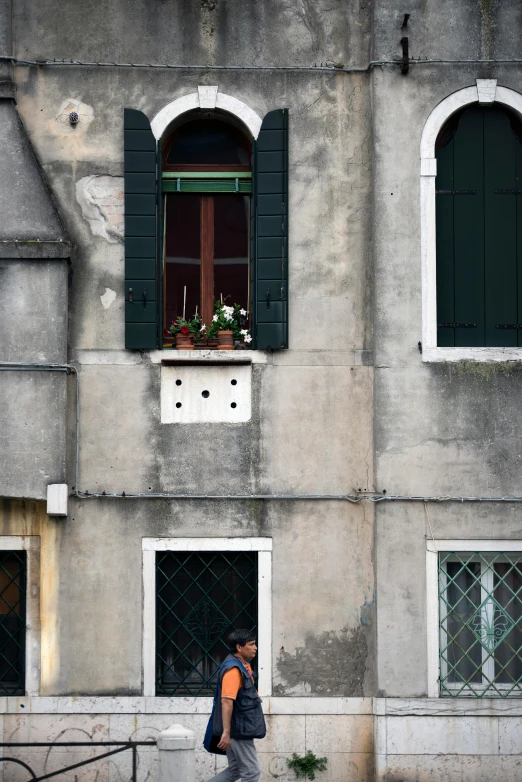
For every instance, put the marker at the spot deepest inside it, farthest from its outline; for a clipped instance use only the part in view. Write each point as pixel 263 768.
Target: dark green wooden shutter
pixel 479 232
pixel 270 233
pixel 500 229
pixel 141 268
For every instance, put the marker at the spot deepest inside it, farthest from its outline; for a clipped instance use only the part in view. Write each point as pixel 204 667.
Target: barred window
pixel 13 566
pixel 480 597
pixel 200 598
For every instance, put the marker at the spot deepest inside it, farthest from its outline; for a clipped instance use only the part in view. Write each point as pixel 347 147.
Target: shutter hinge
pixel 456 325
pixel 455 192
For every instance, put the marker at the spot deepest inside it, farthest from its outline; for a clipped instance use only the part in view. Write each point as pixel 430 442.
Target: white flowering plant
pixel 230 318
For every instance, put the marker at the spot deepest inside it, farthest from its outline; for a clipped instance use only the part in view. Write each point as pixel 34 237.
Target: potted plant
pixel 228 324
pixel 186 332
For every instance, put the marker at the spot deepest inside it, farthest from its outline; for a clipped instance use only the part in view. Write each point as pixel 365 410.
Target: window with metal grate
pixel 480 598
pixel 13 574
pixel 200 598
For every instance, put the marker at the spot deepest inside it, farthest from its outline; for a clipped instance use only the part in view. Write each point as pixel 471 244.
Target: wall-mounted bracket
pixel 405 63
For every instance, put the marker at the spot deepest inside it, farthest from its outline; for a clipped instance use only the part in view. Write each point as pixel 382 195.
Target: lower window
pixel 480 623
pixel 200 598
pixel 13 576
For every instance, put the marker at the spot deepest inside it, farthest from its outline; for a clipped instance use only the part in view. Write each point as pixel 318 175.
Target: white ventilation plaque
pixel 205 394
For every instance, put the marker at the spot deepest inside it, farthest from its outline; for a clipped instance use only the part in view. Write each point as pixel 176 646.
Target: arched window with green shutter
pixel 479 222
pixel 206 216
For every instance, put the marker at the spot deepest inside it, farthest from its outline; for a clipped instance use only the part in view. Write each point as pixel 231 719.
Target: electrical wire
pixel 291 68
pixel 168 66
pixel 355 498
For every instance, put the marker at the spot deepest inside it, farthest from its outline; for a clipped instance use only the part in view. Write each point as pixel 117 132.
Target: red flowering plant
pixel 193 327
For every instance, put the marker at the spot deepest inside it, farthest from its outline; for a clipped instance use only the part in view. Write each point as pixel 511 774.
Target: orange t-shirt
pixel 232 681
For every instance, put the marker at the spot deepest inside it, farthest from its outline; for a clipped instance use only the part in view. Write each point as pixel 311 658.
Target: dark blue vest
pixel 247 721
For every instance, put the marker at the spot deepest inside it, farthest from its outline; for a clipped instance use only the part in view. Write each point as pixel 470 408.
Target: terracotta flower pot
pixel 212 343
pixel 201 345
pixel 226 340
pixel 184 341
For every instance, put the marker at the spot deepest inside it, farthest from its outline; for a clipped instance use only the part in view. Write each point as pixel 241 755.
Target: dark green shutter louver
pixel 479 231
pixel 270 233
pixel 141 268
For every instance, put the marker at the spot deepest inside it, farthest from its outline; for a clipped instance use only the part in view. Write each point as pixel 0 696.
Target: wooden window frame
pixel 206 306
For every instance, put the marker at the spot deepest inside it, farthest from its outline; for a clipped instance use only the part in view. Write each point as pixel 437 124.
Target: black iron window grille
pixel 200 598
pixel 480 596
pixel 13 575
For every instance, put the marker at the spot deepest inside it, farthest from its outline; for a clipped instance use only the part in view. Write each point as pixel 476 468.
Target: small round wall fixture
pixel 74 117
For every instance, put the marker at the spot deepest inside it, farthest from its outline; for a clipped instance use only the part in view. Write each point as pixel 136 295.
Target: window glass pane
pixel 231 249
pixel 201 597
pixel 12 622
pixel 209 142
pixel 464 653
pixel 508 622
pixel 182 254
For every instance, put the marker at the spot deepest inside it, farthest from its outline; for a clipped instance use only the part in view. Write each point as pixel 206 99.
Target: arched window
pixel 207 185
pixel 479 228
pixel 206 216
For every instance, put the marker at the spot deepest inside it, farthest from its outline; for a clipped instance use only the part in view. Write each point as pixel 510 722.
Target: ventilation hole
pixel 205 394
pixel 233 382
pixel 178 382
pixel 178 404
pixel 233 404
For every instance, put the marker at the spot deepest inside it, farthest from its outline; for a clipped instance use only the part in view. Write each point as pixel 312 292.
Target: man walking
pixel 238 716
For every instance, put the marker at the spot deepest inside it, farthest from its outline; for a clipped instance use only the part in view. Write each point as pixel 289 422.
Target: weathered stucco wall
pixel 311 429
pixel 33 328
pixel 439 429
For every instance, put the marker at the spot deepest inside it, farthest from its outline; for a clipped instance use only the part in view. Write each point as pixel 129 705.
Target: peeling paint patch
pixel 101 202
pixel 85 116
pixel 328 664
pixel 107 298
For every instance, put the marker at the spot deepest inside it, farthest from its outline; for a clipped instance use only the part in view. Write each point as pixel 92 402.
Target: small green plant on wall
pixel 305 767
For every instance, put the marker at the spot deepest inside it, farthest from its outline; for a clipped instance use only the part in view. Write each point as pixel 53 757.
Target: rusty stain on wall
pixel 25 517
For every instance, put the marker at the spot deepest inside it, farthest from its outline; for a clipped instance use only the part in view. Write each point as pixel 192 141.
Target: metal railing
pixel 122 746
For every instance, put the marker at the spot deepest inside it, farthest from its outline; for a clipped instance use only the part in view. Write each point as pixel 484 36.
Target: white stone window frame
pixel 30 544
pixel 206 98
pixel 433 548
pixel 264 600
pixel 485 92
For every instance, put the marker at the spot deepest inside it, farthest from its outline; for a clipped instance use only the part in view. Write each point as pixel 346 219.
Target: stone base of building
pixel 364 739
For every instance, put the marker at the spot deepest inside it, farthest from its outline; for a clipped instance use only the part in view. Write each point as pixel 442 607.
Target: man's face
pixel 248 651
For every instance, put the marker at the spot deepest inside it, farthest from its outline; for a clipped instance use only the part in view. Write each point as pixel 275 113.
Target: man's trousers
pixel 242 763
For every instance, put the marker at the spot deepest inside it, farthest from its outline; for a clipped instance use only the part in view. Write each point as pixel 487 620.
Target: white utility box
pixel 57 494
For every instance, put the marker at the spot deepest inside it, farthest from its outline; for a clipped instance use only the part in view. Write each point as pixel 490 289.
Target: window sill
pixel 436 354
pixel 211 357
